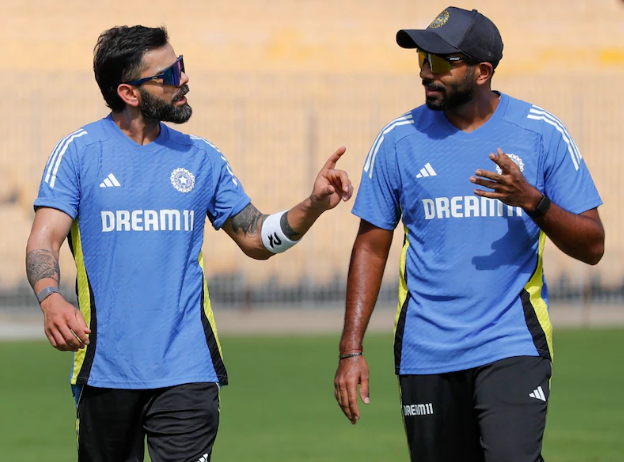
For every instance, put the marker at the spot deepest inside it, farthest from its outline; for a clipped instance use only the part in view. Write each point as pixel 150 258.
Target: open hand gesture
pixel 510 187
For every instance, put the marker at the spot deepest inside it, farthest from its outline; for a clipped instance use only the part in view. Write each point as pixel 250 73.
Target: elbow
pixel 259 256
pixel 257 253
pixel 596 255
pixel 595 252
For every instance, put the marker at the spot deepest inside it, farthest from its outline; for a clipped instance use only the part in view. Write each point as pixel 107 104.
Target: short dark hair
pixel 118 56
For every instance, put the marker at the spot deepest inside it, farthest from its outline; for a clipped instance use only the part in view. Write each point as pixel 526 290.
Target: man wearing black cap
pixel 473 338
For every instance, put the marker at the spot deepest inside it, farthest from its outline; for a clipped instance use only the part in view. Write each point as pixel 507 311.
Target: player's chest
pixel 444 169
pixel 130 181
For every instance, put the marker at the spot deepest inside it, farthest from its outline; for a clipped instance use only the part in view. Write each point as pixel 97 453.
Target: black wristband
pixel 350 355
pixel 542 207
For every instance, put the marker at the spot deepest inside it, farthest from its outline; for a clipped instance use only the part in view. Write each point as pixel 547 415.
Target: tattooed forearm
pixel 286 228
pixel 247 220
pixel 42 264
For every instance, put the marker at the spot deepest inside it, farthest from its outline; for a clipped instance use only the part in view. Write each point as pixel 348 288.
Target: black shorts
pixel 491 413
pixel 180 423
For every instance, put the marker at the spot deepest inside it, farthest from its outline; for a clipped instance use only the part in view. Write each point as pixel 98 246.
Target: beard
pixel 152 107
pixel 453 95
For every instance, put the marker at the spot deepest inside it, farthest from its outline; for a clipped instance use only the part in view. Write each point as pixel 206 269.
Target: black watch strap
pixel 542 207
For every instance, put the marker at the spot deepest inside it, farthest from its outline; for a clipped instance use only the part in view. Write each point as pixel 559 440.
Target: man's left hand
pixel 510 187
pixel 331 185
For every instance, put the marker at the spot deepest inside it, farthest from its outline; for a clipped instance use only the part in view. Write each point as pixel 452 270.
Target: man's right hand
pixel 64 325
pixel 351 373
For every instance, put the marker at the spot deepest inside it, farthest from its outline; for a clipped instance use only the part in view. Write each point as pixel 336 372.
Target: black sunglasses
pixel 170 76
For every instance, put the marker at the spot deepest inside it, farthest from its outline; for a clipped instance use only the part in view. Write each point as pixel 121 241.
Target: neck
pixel 472 115
pixel 136 127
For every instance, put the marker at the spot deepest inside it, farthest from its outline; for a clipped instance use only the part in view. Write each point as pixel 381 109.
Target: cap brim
pixel 425 40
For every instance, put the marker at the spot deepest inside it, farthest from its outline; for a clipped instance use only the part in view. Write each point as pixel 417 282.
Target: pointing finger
pixel 333 159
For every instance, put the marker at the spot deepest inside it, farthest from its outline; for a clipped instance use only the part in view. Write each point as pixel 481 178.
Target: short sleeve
pixel 60 184
pixel 229 196
pixel 567 181
pixel 378 197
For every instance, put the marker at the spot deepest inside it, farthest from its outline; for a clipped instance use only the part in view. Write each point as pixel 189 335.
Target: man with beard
pixel 132 195
pixel 473 339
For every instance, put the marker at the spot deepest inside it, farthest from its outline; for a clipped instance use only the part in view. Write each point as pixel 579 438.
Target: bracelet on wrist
pixel 350 355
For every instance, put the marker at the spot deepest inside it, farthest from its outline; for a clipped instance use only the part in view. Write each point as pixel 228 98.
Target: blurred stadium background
pixel 278 85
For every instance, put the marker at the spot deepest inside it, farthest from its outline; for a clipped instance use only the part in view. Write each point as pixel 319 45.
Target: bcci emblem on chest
pixel 516 160
pixel 182 180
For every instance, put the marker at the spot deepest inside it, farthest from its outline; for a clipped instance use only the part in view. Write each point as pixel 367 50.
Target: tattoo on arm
pixel 247 220
pixel 42 264
pixel 286 228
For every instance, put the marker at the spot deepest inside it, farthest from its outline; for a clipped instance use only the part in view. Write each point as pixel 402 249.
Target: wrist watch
pixel 542 207
pixel 45 293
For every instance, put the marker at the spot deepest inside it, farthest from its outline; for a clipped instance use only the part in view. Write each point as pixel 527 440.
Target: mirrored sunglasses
pixel 170 76
pixel 438 64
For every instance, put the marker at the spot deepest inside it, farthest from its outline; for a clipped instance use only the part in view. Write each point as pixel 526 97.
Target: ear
pixel 485 71
pixel 129 94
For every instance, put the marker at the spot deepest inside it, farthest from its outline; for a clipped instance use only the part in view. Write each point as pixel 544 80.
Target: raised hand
pixel 331 185
pixel 510 187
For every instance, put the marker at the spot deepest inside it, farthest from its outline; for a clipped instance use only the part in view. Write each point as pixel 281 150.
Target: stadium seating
pixel 279 85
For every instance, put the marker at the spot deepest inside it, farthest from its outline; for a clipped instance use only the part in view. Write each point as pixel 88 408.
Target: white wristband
pixel 273 237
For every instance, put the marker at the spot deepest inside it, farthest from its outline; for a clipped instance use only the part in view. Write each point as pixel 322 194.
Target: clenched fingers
pixel 79 327
pixel 56 339
pixel 341 182
pixel 71 342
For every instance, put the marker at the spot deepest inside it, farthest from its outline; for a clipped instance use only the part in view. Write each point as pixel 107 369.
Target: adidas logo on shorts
pixel 538 393
pixel 203 458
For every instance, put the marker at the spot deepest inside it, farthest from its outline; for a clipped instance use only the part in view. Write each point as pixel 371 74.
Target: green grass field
pixel 280 404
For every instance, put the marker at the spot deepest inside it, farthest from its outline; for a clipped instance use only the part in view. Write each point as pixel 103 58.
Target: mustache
pixel 429 85
pixel 184 89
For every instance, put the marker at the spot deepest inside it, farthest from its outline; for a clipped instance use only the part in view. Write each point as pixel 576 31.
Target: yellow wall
pixel 278 85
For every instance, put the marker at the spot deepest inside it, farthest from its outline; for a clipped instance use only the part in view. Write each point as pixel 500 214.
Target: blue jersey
pixel 472 287
pixel 139 215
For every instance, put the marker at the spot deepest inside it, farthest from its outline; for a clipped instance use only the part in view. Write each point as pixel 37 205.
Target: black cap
pixel 456 30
